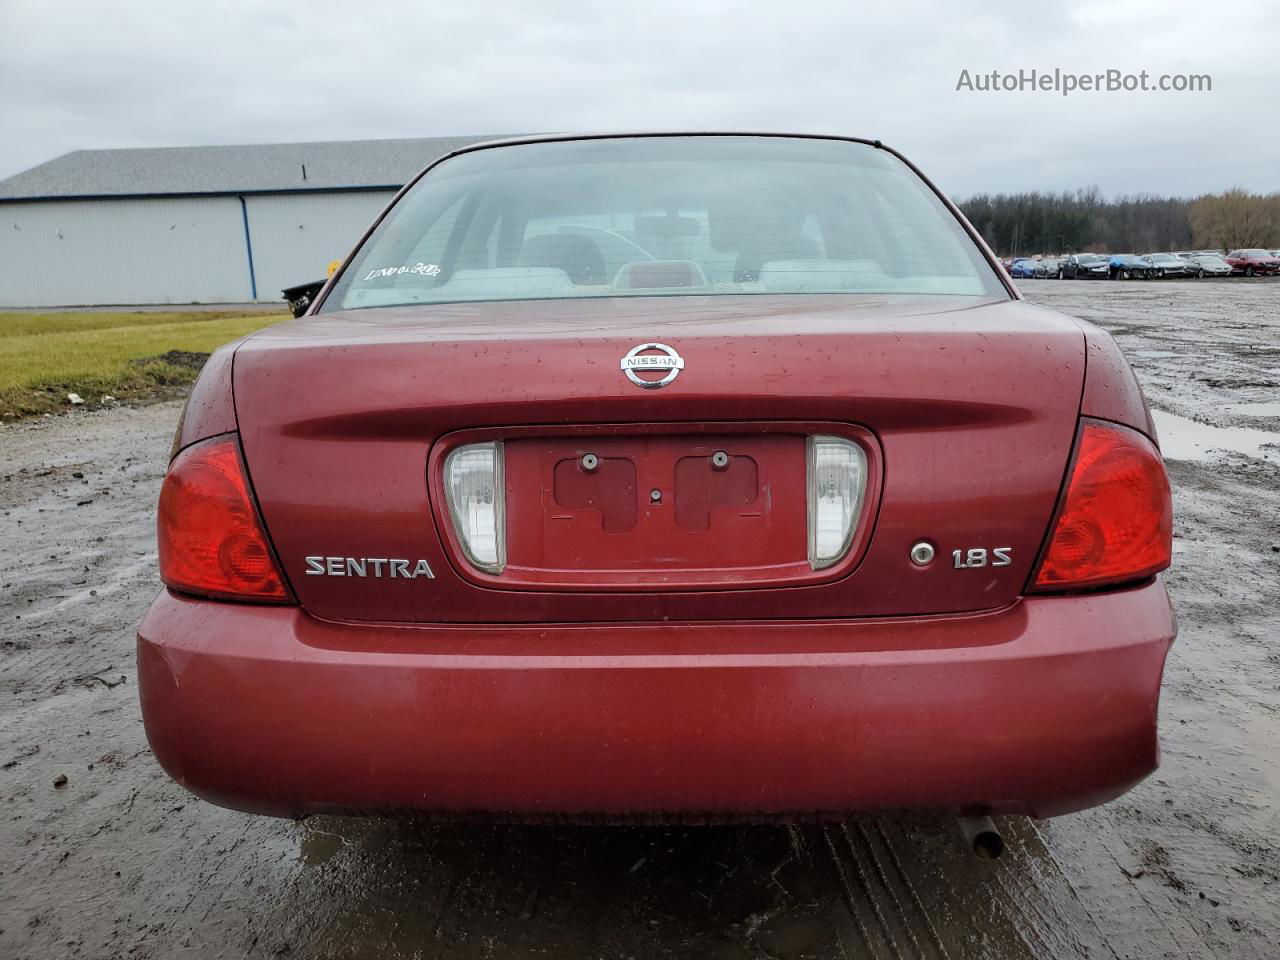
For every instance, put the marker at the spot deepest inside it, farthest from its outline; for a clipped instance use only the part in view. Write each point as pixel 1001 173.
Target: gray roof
pixel 252 168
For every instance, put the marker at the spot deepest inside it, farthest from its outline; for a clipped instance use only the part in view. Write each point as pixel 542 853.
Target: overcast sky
pixel 82 74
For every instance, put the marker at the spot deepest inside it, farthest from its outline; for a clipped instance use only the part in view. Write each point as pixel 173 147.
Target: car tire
pixel 1248 271
pixel 1200 274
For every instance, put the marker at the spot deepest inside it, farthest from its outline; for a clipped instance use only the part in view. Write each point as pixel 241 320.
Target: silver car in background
pixel 1208 265
pixel 1167 265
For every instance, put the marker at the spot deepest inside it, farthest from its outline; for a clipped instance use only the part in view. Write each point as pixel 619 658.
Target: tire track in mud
pixel 911 892
pixel 886 912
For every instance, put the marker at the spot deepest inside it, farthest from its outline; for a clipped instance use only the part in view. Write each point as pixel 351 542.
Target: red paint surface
pixel 973 408
pixel 706 526
pixel 210 409
pixel 1046 706
pixel 1262 265
pixel 1111 390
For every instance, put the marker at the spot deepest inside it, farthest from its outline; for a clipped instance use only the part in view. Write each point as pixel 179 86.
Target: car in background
pixel 1047 268
pixel 1129 266
pixel 1167 265
pixel 1024 268
pixel 1084 266
pixel 534 533
pixel 1210 265
pixel 1253 261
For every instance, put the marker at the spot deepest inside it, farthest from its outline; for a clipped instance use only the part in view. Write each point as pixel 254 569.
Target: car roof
pixel 644 134
pixel 650 134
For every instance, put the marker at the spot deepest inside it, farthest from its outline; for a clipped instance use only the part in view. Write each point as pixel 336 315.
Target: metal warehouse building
pixel 194 224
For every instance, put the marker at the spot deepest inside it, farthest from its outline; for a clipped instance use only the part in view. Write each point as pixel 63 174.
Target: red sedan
pixel 689 475
pixel 1253 263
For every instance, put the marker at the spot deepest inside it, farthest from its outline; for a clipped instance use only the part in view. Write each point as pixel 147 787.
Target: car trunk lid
pixel 966 412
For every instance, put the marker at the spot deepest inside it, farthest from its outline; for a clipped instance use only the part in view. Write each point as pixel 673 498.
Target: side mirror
pixel 300 297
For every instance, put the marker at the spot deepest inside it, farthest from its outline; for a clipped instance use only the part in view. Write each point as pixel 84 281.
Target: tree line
pixel 1024 224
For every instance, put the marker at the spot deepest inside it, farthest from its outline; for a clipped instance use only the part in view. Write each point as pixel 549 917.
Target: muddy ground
pixel 102 856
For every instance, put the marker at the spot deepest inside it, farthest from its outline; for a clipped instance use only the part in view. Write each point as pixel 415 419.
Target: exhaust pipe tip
pixel 982 837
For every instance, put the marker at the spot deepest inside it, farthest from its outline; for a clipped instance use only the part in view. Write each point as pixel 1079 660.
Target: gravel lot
pixel 102 856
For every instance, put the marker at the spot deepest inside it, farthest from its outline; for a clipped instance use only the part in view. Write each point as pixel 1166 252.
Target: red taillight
pixel 211 542
pixel 1116 522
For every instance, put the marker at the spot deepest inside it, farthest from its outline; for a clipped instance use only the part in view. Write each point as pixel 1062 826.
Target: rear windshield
pixel 665 216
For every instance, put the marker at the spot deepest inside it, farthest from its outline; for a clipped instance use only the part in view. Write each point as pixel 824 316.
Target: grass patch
pixel 129 356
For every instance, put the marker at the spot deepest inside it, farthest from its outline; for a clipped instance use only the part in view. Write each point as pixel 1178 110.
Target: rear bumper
pixel 1045 707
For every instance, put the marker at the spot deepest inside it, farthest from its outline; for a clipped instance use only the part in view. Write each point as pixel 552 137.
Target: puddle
pixel 319 847
pixel 1269 409
pixel 1183 439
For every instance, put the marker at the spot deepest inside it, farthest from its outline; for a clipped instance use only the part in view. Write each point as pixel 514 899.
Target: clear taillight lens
pixel 476 493
pixel 837 479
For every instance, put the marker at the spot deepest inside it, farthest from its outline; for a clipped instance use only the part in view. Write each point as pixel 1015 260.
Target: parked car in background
pixel 543 525
pixel 1048 268
pixel 1253 262
pixel 1167 265
pixel 1129 266
pixel 1023 268
pixel 1084 266
pixel 1210 265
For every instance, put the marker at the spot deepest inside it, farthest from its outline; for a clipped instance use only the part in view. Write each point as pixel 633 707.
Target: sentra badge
pixel 376 567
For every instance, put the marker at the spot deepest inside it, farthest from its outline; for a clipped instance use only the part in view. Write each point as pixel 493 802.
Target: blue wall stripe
pixel 248 248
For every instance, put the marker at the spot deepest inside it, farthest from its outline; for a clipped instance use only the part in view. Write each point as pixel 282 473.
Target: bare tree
pixel 1236 219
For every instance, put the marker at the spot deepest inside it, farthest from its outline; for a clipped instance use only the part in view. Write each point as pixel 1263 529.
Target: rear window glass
pixel 664 216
